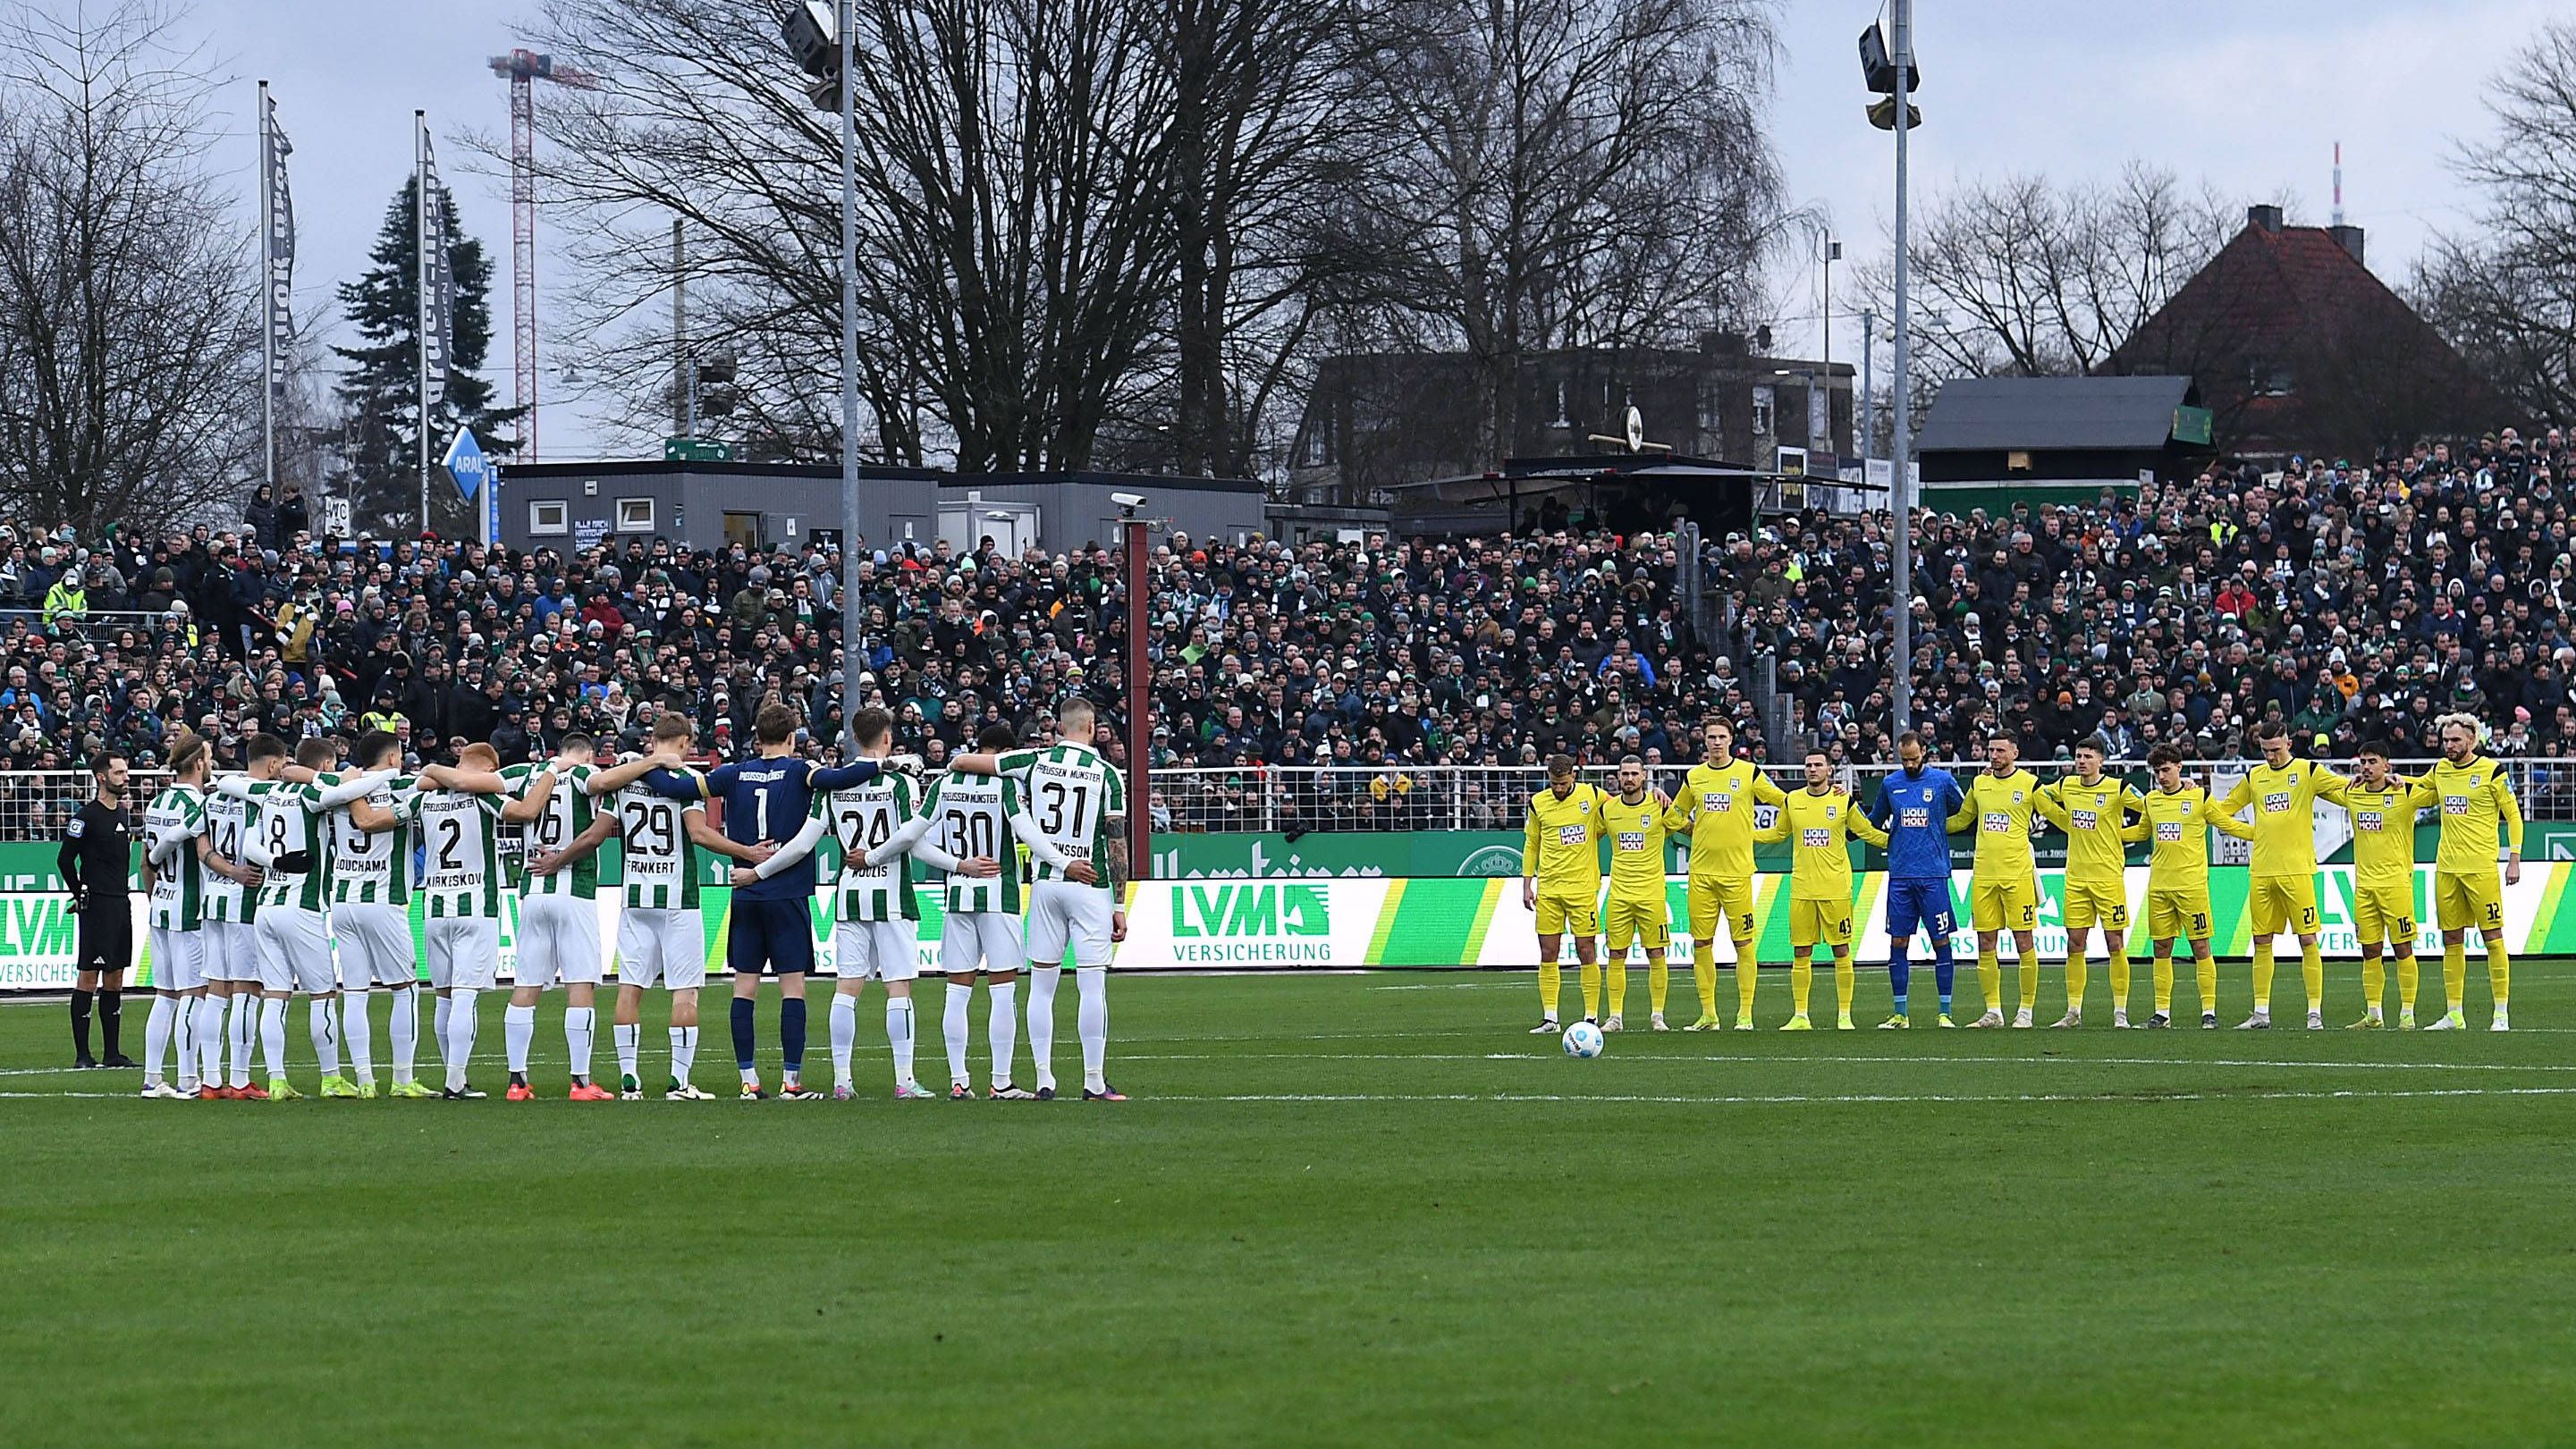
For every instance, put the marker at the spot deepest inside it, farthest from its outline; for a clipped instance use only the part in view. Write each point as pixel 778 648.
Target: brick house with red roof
pixel 2298 347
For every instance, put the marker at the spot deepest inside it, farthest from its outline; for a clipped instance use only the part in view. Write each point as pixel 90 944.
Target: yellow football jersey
pixel 1561 845
pixel 2095 818
pixel 2284 802
pixel 2476 804
pixel 2178 821
pixel 1716 807
pixel 1637 837
pixel 1822 827
pixel 2000 807
pixel 2383 830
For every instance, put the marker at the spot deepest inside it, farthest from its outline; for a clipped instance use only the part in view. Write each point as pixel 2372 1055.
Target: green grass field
pixel 1342 1210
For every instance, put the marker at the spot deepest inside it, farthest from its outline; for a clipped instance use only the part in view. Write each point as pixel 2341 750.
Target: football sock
pixel 2374 980
pixel 460 1035
pixel 518 1033
pixel 2120 977
pixel 1093 1022
pixel 404 1027
pixel 183 1032
pixel 1617 971
pixel 1590 971
pixel 684 1052
pixel 953 1025
pixel 359 1031
pixel 1659 984
pixel 2408 978
pixel 1900 974
pixel 1990 978
pixel 581 1026
pixel 1551 984
pixel 1747 973
pixel 898 1034
pixel 1945 970
pixel 2263 976
pixel 745 1037
pixel 1042 984
pixel 438 1025
pixel 845 1035
pixel 2162 970
pixel 2499 974
pixel 791 1034
pixel 322 1022
pixel 156 1036
pixel 1802 981
pixel 2312 973
pixel 1846 978
pixel 2455 974
pixel 80 1024
pixel 111 1021
pixel 245 1030
pixel 210 1040
pixel 1004 1026
pixel 2079 974
pixel 1704 976
pixel 2027 966
pixel 629 1037
pixel 272 1034
pixel 2205 972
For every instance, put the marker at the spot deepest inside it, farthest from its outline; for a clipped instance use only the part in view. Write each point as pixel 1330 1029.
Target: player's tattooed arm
pixel 1116 825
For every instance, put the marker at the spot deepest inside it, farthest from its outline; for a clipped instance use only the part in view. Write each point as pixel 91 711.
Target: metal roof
pixel 1975 414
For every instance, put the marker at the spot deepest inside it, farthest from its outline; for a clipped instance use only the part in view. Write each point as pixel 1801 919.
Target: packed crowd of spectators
pixel 2348 599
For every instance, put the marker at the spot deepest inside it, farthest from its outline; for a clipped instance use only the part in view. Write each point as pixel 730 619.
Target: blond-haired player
pixel 1561 882
pixel 2477 806
pixel 1635 912
pixel 1821 820
pixel 2004 881
pixel 2383 810
pixel 1716 806
pixel 2093 809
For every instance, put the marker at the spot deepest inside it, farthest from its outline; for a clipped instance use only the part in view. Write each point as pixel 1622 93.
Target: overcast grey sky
pixel 2251 95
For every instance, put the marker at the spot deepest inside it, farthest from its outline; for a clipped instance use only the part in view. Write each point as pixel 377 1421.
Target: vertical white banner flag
pixel 278 250
pixel 437 281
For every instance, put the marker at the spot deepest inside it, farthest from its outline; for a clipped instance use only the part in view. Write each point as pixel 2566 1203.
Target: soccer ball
pixel 1583 1039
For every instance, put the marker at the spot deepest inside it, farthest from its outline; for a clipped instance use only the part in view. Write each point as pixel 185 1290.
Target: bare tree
pixel 1554 173
pixel 2507 296
pixel 129 345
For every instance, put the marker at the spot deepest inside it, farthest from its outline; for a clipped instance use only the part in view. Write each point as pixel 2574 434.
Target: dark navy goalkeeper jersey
pixel 766 798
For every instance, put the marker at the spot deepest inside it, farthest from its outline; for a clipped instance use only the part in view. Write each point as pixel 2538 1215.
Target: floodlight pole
pixel 1900 497
pixel 1140 800
pixel 849 376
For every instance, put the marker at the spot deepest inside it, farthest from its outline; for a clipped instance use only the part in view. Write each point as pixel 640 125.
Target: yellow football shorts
pixel 2011 905
pixel 2178 915
pixel 1559 915
pixel 2384 912
pixel 2280 903
pixel 2462 900
pixel 1813 921
pixel 1638 920
pixel 2089 903
pixel 1712 897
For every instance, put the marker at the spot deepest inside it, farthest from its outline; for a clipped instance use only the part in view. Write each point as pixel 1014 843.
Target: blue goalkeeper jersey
pixel 766 798
pixel 1915 812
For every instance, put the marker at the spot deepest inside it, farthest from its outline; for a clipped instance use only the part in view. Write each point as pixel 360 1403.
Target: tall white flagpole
pixel 267 290
pixel 420 285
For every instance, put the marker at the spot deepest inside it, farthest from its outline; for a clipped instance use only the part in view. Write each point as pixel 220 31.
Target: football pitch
pixel 1358 1210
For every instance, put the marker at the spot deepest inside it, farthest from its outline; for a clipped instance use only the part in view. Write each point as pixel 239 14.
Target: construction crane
pixel 523 69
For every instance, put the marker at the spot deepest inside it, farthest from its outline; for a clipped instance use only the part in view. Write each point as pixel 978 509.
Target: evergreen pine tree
pixel 382 386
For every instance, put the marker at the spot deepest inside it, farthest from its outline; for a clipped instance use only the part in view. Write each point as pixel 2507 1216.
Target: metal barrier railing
pixel 1294 798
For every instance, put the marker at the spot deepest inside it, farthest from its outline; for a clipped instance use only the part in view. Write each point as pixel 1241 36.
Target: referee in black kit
pixel 95 860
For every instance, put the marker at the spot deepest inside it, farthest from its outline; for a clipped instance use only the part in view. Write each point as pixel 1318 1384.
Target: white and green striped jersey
pixel 862 818
pixel 369 869
pixel 460 842
pixel 228 821
pixel 660 876
pixel 567 814
pixel 286 818
pixel 970 816
pixel 178 814
pixel 1072 794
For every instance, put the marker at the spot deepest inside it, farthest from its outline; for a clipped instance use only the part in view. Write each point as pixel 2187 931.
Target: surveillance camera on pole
pixel 1127 503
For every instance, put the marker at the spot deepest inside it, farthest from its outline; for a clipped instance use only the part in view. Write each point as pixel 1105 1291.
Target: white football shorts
pixel 661 948
pixel 1066 917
